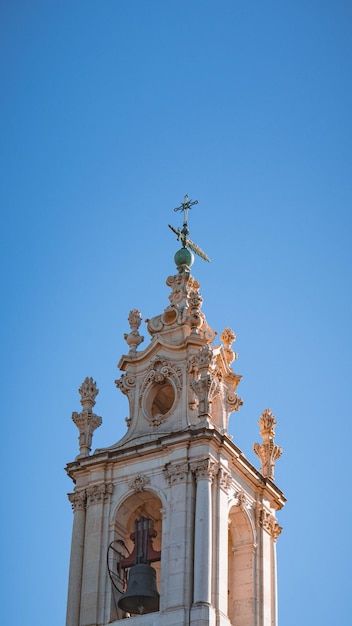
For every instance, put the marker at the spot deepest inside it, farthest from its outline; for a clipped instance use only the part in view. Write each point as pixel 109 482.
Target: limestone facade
pixel 214 513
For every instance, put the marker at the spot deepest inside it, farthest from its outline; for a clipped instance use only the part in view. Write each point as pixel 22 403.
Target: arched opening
pixel 241 592
pixel 141 504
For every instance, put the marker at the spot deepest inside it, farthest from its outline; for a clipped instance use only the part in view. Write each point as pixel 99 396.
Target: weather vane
pixel 182 234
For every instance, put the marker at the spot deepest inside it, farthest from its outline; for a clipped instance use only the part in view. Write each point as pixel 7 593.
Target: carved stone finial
pixel 86 421
pixel 268 452
pixel 228 337
pixel 133 338
pixel 88 392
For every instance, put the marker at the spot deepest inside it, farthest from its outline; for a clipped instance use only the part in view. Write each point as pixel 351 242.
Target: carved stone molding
pixel 99 493
pixel 78 500
pixel 139 482
pixel 176 473
pixel 204 469
pixel 267 521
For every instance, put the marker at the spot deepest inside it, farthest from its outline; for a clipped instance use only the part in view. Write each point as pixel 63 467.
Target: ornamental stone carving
pixel 133 338
pixel 139 483
pixel 182 284
pixel 86 421
pixel 233 402
pixel 194 318
pixel 204 469
pixel 78 500
pixel 126 383
pixel 88 392
pixel 268 452
pixel 206 381
pixel 266 521
pixel 159 371
pixel 99 493
pixel 225 479
pixel 228 337
pixel 176 473
pixel 241 500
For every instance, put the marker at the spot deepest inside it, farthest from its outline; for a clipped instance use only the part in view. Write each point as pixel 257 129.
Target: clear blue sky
pixel 111 111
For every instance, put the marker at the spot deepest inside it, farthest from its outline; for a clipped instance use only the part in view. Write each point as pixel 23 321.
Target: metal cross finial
pixel 182 234
pixel 185 207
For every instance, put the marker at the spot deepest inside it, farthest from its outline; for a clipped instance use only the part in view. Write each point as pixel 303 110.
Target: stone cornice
pixel 191 436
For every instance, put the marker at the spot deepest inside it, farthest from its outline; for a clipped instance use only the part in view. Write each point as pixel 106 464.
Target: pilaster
pixel 78 500
pixel 92 604
pixel 204 470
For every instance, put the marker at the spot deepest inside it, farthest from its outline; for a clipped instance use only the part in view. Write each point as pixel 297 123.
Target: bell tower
pixel 172 524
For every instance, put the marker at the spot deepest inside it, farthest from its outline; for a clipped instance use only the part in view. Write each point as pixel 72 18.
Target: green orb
pixel 184 257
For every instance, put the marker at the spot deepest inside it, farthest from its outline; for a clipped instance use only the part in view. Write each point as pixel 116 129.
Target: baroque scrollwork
pixel 233 402
pixel 159 370
pixel 126 383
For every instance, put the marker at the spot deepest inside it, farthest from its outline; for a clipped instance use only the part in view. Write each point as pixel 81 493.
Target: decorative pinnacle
pixel 268 452
pixel 182 234
pixel 86 421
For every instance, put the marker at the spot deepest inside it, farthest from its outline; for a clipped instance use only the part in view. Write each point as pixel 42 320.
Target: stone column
pixel 204 471
pixel 78 501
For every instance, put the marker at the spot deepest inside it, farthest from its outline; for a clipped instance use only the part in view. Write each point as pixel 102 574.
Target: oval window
pixel 160 399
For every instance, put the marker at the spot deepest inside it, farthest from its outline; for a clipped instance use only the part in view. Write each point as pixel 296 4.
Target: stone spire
pixel 86 421
pixel 268 452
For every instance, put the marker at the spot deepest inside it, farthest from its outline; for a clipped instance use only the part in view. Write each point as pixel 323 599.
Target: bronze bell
pixel 141 595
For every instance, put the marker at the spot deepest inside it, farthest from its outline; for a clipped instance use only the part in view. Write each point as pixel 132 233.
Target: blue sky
pixel 111 111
